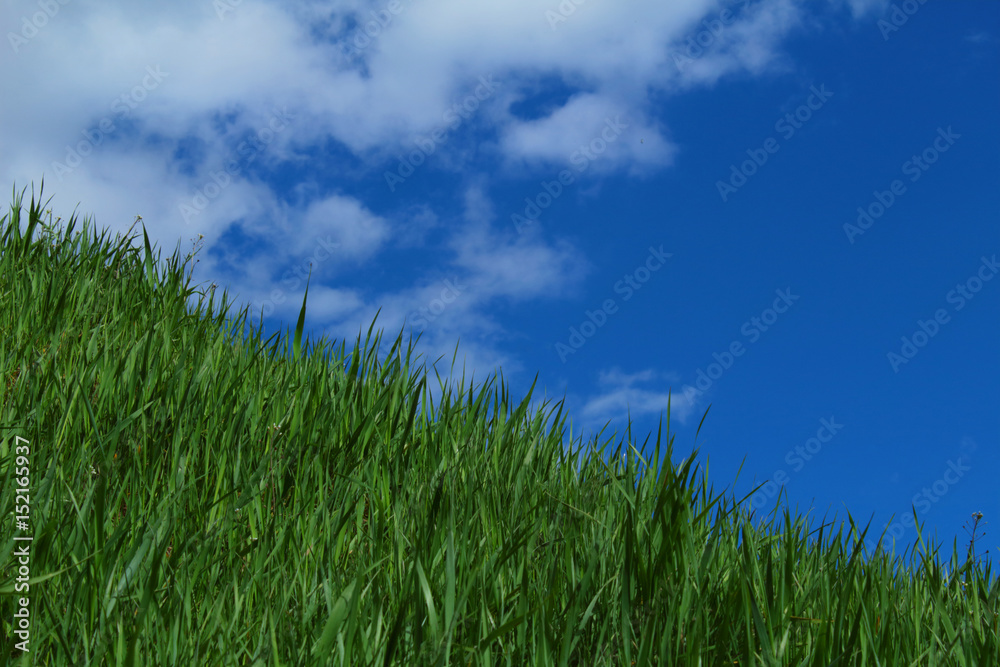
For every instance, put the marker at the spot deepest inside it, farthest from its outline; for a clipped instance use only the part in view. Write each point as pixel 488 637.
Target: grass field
pixel 200 496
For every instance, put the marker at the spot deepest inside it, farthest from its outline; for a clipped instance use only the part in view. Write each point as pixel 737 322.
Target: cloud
pixel 620 397
pixel 588 131
pixel 520 268
pixel 345 223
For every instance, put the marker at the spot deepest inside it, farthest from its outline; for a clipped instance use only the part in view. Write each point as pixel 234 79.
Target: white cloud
pixel 344 222
pixel 620 397
pixel 428 57
pixel 590 132
pixel 522 268
pixel 747 44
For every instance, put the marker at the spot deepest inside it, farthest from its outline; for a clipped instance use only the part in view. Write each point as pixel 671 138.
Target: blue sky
pixel 783 209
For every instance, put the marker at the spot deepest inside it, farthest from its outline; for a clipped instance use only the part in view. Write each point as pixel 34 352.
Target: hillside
pixel 199 495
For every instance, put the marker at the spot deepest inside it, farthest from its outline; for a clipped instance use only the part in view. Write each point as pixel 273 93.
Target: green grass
pixel 199 496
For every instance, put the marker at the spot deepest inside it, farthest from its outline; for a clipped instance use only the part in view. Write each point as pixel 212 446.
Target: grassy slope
pixel 198 498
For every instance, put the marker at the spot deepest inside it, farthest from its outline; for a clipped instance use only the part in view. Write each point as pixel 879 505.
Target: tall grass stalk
pixel 201 497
